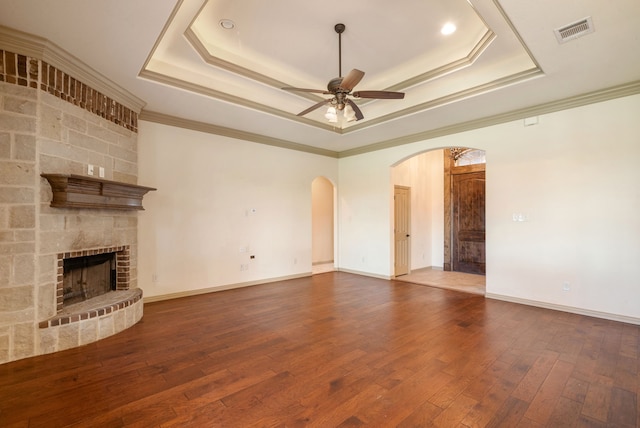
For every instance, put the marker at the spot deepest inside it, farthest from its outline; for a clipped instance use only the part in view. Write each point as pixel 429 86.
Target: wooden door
pixel 468 222
pixel 402 223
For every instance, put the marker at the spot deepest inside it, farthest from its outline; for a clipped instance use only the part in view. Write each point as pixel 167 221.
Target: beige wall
pixel 566 174
pixel 219 201
pixel 40 133
pixel 574 176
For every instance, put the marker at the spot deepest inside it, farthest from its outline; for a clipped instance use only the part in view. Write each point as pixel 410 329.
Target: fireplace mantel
pixel 77 191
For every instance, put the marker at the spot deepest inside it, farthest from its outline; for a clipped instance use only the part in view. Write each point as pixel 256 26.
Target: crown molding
pixel 223 96
pixel 39 48
pixel 632 88
pixel 448 99
pixel 165 119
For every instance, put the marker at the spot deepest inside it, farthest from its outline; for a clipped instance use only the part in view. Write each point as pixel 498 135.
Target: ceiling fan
pixel 341 87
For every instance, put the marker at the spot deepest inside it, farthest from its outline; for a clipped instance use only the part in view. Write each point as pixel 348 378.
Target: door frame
pixel 449 170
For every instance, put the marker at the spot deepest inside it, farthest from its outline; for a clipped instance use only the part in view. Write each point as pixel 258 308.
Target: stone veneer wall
pixel 56 125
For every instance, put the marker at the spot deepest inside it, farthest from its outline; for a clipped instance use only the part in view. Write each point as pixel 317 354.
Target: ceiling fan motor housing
pixel 334 85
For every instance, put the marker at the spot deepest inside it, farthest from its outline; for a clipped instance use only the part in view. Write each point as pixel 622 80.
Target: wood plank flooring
pixel 337 350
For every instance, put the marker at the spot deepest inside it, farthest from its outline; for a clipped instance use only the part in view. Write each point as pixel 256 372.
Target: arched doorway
pixel 425 174
pixel 322 225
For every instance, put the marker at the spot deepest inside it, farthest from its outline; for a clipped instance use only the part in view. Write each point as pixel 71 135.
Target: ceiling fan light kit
pixel 341 87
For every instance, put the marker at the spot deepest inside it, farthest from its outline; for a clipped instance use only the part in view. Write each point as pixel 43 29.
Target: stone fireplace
pixel 58 119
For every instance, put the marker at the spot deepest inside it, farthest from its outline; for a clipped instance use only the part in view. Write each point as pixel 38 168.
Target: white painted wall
pixel 215 196
pixel 574 175
pixel 423 173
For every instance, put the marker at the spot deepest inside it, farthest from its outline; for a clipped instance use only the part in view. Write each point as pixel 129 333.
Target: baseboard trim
pixel 570 309
pixel 207 290
pixel 357 272
pixel 322 263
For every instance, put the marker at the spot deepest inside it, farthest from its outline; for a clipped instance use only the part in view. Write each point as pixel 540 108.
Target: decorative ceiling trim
pixel 223 96
pixel 447 99
pixel 487 87
pixel 607 94
pixel 449 68
pixel 202 51
pixel 620 91
pixel 193 39
pixel 435 73
pixel 39 48
pixel 194 125
pixel 515 32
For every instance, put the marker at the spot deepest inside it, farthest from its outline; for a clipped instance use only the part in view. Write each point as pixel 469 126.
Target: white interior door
pixel 402 232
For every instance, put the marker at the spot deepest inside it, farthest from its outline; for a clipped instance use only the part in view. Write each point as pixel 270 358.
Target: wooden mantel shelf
pixel 77 191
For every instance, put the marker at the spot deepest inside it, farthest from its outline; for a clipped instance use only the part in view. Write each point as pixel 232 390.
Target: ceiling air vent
pixel 574 30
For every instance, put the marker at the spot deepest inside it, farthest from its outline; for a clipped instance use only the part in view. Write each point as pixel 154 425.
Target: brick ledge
pixel 102 305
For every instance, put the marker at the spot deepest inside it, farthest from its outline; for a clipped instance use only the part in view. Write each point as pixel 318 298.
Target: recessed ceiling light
pixel 448 28
pixel 227 24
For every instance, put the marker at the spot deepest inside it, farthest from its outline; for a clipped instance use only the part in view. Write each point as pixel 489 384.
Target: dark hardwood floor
pixel 337 350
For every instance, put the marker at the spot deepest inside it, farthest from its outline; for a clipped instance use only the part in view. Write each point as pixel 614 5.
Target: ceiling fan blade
pixel 356 109
pixel 383 95
pixel 351 79
pixel 317 91
pixel 313 107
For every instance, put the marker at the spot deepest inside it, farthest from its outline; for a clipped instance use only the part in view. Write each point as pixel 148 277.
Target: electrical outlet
pixel 101 172
pixel 244 267
pixel 520 217
pixel 566 286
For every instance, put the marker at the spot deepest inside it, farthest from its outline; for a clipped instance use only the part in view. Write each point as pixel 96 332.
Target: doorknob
pixel 408 235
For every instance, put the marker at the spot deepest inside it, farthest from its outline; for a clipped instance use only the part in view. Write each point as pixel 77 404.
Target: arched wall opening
pixel 323 220
pixel 429 176
pixel 423 173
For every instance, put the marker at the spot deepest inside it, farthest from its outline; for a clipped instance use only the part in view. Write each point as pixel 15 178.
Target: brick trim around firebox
pixel 123 264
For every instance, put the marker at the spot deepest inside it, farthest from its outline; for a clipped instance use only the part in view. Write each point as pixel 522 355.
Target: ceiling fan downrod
pixel 339 29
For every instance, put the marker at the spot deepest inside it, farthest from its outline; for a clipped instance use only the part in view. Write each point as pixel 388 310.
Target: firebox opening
pixel 87 277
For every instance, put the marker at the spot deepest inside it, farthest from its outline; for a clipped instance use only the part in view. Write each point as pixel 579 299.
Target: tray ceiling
pixel 503 61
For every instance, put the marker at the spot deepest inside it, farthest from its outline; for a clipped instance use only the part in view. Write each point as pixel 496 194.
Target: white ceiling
pixel 504 56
